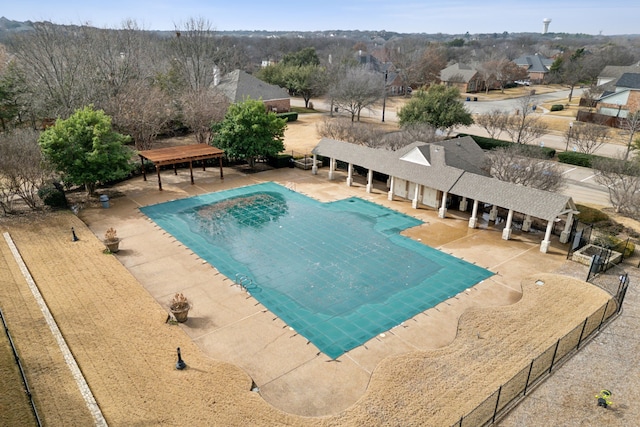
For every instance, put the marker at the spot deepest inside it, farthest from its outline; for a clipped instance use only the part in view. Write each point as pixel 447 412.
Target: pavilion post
pixel 159 180
pixel 221 175
pixel 144 173
pixel 175 169
pixel 191 171
pixel 204 165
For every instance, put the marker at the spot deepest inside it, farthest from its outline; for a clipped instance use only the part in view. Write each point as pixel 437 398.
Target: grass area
pixel 14 408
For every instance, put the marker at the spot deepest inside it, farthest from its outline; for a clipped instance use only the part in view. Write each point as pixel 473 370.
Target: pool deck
pixel 230 325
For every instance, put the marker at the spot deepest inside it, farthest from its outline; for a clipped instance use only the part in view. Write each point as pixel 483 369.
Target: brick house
pixel 537 66
pixel 465 77
pixel 238 85
pixel 624 99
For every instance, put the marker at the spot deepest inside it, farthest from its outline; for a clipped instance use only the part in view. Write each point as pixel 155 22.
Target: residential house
pixel 238 86
pixel 537 66
pixel 465 77
pixel 624 99
pixel 392 78
pixel 611 73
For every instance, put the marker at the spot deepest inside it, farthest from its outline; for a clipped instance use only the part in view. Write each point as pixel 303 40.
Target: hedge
pixel 491 144
pixel 557 107
pixel 280 160
pixel 291 116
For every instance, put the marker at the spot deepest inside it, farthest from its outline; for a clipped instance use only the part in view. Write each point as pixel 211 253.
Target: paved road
pixel 580 182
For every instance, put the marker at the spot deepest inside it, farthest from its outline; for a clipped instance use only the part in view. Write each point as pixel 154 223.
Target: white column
pixel 314 168
pixel 463 204
pixel 544 246
pixel 416 197
pixel 350 174
pixel 493 213
pixel 369 180
pixel 526 224
pixel 390 194
pixel 442 212
pixel 564 236
pixel 332 168
pixel 473 221
pixel 506 233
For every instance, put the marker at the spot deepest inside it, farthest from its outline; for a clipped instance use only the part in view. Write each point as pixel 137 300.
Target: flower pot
pixel 112 245
pixel 180 314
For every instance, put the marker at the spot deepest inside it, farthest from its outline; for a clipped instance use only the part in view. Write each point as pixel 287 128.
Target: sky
pixel 403 16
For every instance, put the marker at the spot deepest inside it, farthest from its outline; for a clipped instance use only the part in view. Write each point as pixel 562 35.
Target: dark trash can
pixel 104 199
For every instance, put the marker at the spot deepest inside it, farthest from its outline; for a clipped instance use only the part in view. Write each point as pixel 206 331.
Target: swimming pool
pixel 338 273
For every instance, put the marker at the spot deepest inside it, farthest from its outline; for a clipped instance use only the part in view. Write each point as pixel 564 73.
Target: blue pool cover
pixel 338 273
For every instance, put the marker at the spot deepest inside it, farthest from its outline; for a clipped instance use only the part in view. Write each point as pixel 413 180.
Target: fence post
pixel 526 385
pixel 603 315
pixel 555 351
pixel 584 325
pixel 460 423
pixel 495 410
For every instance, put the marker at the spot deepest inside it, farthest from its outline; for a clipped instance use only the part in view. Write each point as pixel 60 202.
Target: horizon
pixel 440 17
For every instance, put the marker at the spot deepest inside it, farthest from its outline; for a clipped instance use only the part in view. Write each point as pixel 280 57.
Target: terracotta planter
pixel 112 245
pixel 180 314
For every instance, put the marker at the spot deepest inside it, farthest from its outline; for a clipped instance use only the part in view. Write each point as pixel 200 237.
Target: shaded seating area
pixel 180 154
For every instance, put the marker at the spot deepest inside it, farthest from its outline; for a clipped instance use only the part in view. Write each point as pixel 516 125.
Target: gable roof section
pixel 531 201
pixel 463 71
pixel 534 63
pixel 238 86
pixel 629 81
pixel 416 156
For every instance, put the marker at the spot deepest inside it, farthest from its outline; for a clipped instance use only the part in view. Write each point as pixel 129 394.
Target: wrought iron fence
pixel 509 394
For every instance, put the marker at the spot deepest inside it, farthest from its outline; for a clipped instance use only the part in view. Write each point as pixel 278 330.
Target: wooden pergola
pixel 180 154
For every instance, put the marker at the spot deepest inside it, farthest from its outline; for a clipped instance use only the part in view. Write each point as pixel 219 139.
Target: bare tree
pixel 494 122
pixel 357 90
pixel 346 130
pixel 631 124
pixel 202 108
pixel 514 164
pixel 587 137
pixel 194 51
pixel 142 111
pixel 622 179
pixel 54 59
pixel 524 127
pixel 22 169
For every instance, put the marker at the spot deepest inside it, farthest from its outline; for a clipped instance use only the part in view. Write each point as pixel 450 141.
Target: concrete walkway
pixel 282 363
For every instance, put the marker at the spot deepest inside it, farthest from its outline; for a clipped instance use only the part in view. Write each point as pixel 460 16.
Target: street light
pixel 569 136
pixel 384 93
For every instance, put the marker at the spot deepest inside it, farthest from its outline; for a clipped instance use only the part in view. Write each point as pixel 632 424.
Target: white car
pixel 523 82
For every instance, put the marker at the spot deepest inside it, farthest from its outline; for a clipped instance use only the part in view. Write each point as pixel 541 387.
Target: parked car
pixel 523 82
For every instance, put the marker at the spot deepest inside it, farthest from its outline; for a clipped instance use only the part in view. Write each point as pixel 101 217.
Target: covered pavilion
pixel 180 154
pixel 438 173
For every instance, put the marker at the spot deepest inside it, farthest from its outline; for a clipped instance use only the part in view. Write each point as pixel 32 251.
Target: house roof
pixel 458 72
pixel 629 81
pixel 238 86
pixel 534 63
pixel 454 166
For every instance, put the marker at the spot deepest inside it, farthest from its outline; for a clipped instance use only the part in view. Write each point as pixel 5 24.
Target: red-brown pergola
pixel 180 154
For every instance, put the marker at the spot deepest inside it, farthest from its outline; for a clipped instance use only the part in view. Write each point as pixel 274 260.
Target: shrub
pixel 52 194
pixel 280 160
pixel 577 159
pixel 291 116
pixel 557 107
pixel 590 215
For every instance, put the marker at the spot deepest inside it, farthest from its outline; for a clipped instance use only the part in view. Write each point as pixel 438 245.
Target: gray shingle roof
pixel 629 80
pixel 458 71
pixel 238 86
pixel 455 167
pixel 534 63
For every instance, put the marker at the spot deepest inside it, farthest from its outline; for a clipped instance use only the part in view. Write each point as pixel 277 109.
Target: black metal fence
pixel 579 236
pixel 509 394
pixel 20 368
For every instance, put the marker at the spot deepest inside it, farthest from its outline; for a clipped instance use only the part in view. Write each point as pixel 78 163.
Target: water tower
pixel 545 22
